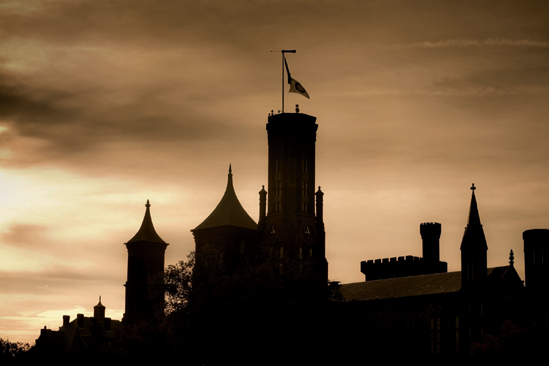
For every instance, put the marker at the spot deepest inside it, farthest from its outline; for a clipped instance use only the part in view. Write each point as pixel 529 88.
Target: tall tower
pixel 473 249
pixel 291 229
pixel 145 263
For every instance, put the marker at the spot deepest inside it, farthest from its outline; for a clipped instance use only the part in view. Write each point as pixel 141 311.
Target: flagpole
pixel 283 59
pixel 282 81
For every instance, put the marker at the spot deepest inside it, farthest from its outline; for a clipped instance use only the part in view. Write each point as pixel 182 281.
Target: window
pixel 304 197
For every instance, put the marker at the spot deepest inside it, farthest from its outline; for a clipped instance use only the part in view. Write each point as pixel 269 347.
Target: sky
pixel 105 104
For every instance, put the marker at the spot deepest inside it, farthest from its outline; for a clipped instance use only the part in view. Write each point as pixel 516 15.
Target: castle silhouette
pixel 414 300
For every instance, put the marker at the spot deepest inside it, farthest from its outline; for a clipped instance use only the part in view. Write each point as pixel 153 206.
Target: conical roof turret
pixel 474 238
pixel 146 231
pixel 229 211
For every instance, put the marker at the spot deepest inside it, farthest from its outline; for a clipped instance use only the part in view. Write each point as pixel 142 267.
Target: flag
pixel 295 86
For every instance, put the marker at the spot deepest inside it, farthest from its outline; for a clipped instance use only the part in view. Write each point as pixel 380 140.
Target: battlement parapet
pixel 404 266
pixel 382 261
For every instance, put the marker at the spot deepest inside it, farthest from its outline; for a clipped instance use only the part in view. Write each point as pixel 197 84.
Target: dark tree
pixel 13 351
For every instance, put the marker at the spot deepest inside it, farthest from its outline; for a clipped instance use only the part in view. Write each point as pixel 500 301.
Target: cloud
pixel 26 236
pixel 475 43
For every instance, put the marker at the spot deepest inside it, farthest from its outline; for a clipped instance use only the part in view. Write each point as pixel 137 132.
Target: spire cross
pixel 473 188
pixel 147 204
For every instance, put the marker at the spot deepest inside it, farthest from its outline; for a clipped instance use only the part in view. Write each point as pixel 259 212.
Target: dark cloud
pixel 243 24
pixel 146 91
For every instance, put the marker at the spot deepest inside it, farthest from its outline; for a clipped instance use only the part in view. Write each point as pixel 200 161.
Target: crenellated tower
pixel 291 229
pixel 430 236
pixel 145 264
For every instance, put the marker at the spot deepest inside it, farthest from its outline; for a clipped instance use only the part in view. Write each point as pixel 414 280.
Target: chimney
pixel 80 320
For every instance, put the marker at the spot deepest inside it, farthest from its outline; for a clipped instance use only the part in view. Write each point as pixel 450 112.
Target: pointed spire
pixel 511 258
pixel 474 234
pixel 146 231
pixel 473 249
pixel 229 211
pixel 474 217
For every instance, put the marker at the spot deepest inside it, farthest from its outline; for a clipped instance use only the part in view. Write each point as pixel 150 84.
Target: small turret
pixel 262 209
pixel 99 311
pixel 319 206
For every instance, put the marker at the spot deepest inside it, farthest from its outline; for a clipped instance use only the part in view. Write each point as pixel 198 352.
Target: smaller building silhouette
pixel 81 335
pixel 424 309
